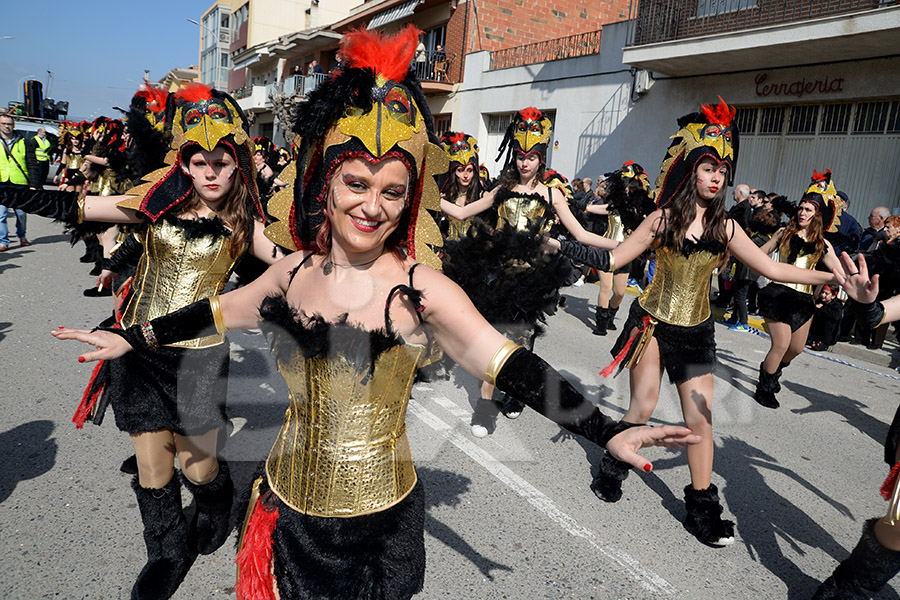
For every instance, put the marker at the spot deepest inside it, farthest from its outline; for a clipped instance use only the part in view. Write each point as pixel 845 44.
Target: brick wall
pixel 499 24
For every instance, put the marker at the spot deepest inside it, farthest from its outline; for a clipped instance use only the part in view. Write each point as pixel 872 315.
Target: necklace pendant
pixel 328 268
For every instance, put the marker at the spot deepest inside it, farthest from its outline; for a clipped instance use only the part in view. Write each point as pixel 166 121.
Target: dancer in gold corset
pixel 670 326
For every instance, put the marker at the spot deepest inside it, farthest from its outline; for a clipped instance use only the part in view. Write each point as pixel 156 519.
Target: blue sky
pixel 97 50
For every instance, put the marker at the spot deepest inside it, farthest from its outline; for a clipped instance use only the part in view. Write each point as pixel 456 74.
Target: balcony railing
pixel 433 66
pixel 302 85
pixel 573 46
pixel 666 20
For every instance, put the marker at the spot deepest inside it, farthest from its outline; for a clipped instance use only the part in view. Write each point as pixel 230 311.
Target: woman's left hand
pixel 855 281
pixel 109 345
pixel 624 445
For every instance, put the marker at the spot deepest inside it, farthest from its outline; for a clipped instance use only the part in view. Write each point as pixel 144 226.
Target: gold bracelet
pixel 218 318
pixel 500 357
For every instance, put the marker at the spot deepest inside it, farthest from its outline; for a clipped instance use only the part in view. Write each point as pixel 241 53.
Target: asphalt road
pixel 510 516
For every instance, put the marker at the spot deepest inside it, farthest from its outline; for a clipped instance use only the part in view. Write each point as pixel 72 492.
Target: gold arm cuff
pixel 80 204
pixel 499 359
pixel 218 317
pixel 612 262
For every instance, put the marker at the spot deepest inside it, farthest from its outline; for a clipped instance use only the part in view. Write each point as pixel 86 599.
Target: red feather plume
pixel 530 114
pixel 721 114
pixel 152 95
pixel 817 176
pixel 194 92
pixel 627 163
pixel 389 55
pixel 457 137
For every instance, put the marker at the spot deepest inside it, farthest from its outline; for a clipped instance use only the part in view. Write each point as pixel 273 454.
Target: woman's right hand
pixel 105 279
pixel 108 345
pixel 856 281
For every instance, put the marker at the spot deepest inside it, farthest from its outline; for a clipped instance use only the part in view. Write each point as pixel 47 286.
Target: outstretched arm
pixel 238 309
pixel 462 213
pixel 747 252
pixel 482 351
pixel 574 227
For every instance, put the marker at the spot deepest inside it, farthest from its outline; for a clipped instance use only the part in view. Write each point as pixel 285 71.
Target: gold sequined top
pixel 458 228
pixel 803 256
pixel 679 292
pixel 74 161
pixel 183 262
pixel 106 184
pixel 522 211
pixel 615 229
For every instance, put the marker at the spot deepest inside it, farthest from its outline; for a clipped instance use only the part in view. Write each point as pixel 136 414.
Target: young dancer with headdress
pixel 670 327
pixel 503 267
pixel 462 185
pixel 788 308
pixel 627 204
pixel 201 215
pixel 352 314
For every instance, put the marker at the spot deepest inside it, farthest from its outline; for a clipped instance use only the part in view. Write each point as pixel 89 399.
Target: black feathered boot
pixel 778 373
pixel 484 417
pixel 211 524
pixel 600 327
pixel 869 567
pixel 704 517
pixel 611 318
pixel 608 484
pixel 767 388
pixel 165 534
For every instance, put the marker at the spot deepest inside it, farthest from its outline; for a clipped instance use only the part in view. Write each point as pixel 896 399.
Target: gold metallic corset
pixel 458 228
pixel 615 230
pixel 74 161
pixel 176 270
pixel 343 450
pixel 802 261
pixel 679 292
pixel 522 212
pixel 106 185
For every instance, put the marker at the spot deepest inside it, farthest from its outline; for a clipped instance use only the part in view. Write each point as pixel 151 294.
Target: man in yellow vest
pixel 42 154
pixel 18 166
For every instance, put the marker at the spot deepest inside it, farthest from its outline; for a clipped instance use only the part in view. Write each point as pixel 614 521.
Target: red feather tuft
pixel 254 561
pixel 89 398
pixel 627 163
pixel 194 92
pixel 817 176
pixel 389 55
pixel 152 95
pixel 530 114
pixel 721 114
pixel 887 488
pixel 457 137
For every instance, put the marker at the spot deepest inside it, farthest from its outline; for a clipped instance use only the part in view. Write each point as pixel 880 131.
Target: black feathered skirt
pixel 378 556
pixel 785 305
pixel 507 274
pixel 686 352
pixel 182 390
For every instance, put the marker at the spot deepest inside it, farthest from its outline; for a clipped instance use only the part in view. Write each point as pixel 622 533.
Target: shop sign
pixel 798 88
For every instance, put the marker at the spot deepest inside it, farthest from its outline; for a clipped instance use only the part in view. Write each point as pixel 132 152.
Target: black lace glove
pixel 527 377
pixel 871 315
pixel 588 255
pixel 129 250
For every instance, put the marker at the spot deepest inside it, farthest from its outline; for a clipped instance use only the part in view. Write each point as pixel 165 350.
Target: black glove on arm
pixel 130 249
pixel 527 377
pixel 195 320
pixel 61 206
pixel 593 257
pixel 871 315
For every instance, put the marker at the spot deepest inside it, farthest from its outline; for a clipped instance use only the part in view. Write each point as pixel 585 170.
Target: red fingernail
pixel 80 359
pixel 60 327
pixel 648 467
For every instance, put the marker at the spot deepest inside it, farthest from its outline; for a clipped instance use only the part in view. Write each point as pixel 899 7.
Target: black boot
pixel 608 484
pixel 484 419
pixel 510 407
pixel 129 465
pixel 600 327
pixel 778 373
pixel 211 524
pixel 610 319
pixel 767 388
pixel 869 567
pixel 165 534
pixel 92 250
pixel 704 517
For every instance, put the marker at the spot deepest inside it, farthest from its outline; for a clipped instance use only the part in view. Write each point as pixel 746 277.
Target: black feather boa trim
pixel 691 246
pixel 290 331
pixel 507 274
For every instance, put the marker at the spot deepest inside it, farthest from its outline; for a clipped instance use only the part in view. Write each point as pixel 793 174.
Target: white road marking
pixel 646 579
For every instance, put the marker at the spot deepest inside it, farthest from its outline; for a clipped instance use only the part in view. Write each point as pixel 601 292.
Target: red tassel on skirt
pixel 611 367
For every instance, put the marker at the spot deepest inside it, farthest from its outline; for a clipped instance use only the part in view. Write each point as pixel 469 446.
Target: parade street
pixel 508 516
